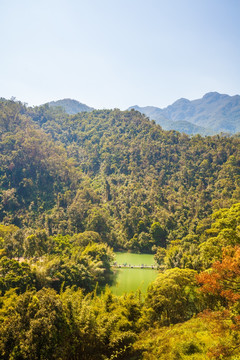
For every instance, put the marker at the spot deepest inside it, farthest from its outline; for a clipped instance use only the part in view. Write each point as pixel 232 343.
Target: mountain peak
pixel 212 114
pixel 214 96
pixel 182 101
pixel 70 106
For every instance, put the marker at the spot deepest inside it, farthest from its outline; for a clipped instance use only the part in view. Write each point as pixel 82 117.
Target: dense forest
pixel 73 188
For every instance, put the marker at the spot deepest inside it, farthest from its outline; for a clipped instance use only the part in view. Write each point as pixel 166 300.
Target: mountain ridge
pixel 70 106
pixel 212 114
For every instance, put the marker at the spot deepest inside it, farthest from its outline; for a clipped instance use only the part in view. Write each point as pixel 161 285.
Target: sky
pixel 118 53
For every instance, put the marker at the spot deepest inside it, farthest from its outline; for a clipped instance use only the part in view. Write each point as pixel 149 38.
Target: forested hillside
pixel 112 172
pixel 75 187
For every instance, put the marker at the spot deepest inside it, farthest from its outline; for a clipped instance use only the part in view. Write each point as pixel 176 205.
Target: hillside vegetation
pixel 75 187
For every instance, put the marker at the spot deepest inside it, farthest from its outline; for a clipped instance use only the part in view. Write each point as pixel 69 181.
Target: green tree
pixel 174 296
pixel 15 275
pixel 34 326
pixel 36 244
pixel 158 234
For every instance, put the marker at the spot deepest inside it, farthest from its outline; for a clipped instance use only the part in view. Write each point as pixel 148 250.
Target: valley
pixel 76 189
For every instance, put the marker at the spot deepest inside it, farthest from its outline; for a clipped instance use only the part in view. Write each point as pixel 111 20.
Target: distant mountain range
pixel 214 113
pixel 157 114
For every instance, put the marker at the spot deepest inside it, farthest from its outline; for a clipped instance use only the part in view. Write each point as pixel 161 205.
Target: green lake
pixel 131 279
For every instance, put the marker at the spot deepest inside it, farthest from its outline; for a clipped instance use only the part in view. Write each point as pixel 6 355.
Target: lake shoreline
pixel 133 272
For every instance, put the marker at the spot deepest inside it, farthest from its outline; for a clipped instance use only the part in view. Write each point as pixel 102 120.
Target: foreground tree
pixel 223 279
pixel 33 326
pixel 173 297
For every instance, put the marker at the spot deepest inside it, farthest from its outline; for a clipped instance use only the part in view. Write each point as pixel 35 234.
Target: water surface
pixel 131 279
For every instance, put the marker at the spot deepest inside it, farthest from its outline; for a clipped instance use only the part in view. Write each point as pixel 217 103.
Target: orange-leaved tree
pixel 224 277
pixel 223 282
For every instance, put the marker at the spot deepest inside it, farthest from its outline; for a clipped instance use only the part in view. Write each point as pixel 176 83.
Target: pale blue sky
pixel 118 53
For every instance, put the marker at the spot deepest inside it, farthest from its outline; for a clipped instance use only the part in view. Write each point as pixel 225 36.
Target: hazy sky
pixel 118 53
